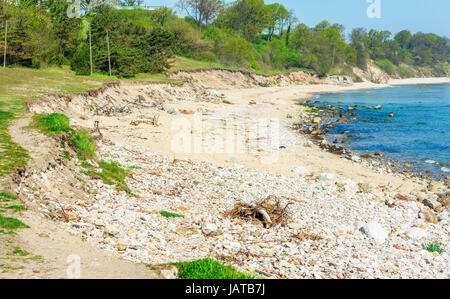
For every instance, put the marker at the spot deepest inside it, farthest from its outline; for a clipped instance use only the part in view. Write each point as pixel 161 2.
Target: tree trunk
pixel 90 47
pixel 109 54
pixel 288 33
pixel 6 41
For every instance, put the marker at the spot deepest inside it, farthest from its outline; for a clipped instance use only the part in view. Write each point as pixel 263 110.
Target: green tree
pixel 247 17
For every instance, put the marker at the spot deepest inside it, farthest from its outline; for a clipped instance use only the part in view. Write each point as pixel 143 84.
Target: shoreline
pixel 395 164
pixel 330 199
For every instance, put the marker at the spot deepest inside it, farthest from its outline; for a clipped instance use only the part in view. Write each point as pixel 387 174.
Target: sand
pixel 275 104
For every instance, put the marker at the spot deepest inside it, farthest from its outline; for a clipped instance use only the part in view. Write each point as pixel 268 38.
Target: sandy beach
pixel 199 152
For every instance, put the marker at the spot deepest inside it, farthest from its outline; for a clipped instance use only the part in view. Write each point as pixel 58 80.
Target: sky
pixel 428 16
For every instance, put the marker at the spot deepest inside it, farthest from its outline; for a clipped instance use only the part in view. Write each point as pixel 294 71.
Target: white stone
pixel 375 231
pixel 417 233
pixel 326 177
pixel 209 228
pixel 300 170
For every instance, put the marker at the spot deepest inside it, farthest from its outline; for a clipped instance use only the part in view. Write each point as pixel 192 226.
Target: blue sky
pixel 415 15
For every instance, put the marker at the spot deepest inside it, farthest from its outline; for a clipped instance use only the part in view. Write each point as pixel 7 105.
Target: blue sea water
pixel 419 133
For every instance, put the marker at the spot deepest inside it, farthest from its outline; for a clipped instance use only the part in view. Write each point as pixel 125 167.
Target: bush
pixel 386 65
pixel 238 52
pixel 35 64
pixel 405 72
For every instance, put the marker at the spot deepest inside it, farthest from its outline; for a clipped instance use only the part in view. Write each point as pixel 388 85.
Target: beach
pixel 199 152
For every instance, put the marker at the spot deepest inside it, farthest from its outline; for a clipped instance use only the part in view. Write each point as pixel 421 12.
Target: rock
pixel 417 233
pixel 348 185
pixel 446 202
pixel 173 111
pixel 317 120
pixel 325 177
pixel 209 228
pixel 428 216
pixel 121 247
pixel 375 231
pixel 110 231
pixel 300 170
pixel 378 107
pixel 169 273
pixel 379 154
pixel 355 158
pixel 431 203
pixel 364 188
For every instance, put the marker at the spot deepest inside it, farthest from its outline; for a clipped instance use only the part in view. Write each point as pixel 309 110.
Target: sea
pixel 418 133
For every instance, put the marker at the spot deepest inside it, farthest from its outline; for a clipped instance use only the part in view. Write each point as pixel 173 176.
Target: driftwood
pixel 269 211
pixel 96 132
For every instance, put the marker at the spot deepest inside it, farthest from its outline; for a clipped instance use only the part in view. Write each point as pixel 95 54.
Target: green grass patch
pixel 52 124
pixel 170 215
pixel 4 232
pixel 209 269
pixel 433 247
pixel 16 208
pixel 12 156
pixel 56 124
pixel 112 173
pixel 18 251
pixel 7 195
pixel 11 223
pixel 84 143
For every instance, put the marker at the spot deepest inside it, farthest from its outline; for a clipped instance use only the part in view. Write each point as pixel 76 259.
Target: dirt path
pixel 46 249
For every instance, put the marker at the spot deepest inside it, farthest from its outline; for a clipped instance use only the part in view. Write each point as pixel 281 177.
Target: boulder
pixel 431 203
pixel 375 231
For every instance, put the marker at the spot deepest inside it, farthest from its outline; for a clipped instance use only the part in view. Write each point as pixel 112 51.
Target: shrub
pixel 386 66
pixel 238 52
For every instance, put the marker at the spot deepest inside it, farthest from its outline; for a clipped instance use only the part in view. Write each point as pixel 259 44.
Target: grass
pixel 20 84
pixel 16 208
pixel 209 269
pixel 112 173
pixel 7 195
pixel 11 223
pixel 433 247
pixel 52 124
pixel 170 215
pixel 18 251
pixel 84 143
pixel 56 124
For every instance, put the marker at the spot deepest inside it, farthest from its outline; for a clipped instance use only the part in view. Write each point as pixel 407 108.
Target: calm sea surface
pixel 419 133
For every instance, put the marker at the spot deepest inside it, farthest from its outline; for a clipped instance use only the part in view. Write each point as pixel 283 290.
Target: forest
pixel 118 38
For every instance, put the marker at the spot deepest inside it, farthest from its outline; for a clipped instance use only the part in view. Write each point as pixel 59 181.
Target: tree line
pixel 119 38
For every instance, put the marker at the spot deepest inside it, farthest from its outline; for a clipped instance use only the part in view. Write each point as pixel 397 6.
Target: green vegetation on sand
pixel 209 269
